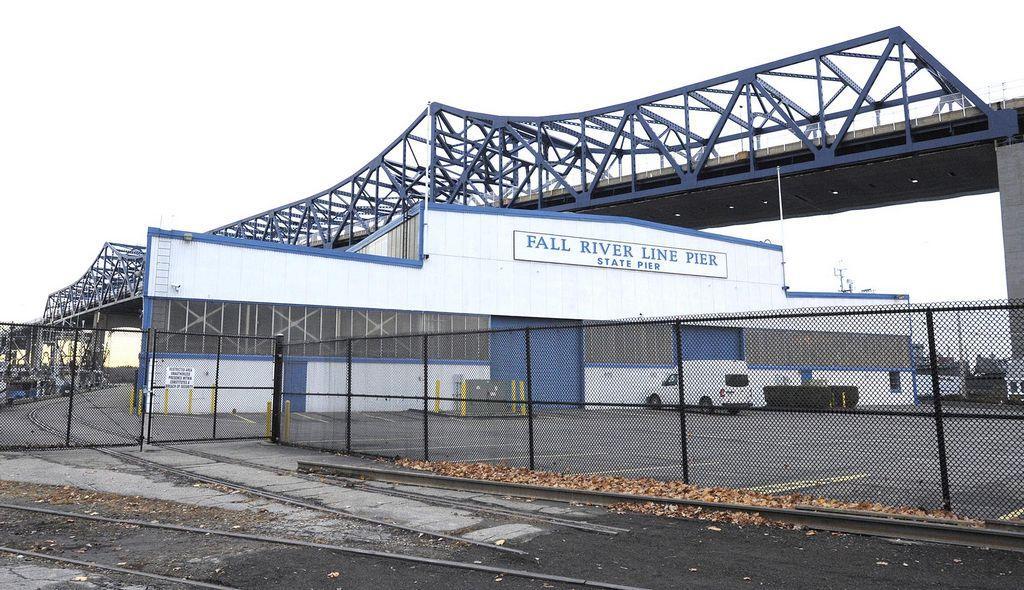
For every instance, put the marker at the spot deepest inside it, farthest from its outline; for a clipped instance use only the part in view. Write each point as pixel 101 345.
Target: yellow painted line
pixel 241 417
pixel 1016 514
pixel 807 483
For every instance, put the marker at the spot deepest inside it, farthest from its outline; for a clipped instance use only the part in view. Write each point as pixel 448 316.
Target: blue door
pixel 294 386
pixel 556 359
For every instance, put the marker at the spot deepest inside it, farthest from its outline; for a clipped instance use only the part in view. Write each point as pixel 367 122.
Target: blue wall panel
pixel 556 358
pixel 708 343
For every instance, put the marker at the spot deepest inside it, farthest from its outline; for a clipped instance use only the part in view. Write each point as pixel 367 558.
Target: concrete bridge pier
pixel 1010 166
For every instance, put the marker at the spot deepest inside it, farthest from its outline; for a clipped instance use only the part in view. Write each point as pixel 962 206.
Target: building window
pixel 894 382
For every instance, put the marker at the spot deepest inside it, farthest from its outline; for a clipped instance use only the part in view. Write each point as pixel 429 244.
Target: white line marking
pixel 806 483
pixel 311 417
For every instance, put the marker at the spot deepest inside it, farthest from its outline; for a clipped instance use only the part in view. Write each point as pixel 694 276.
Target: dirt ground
pixel 654 552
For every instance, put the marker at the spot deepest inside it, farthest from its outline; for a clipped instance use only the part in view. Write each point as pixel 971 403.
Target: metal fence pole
pixel 937 402
pixel 684 458
pixel 71 391
pixel 348 401
pixel 148 406
pixel 426 403
pixel 275 407
pixel 216 385
pixel 529 397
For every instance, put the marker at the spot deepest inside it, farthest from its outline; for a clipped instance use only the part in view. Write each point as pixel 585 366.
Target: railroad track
pixel 502 512
pixel 1002 535
pixel 283 498
pixel 477 567
pixel 986 534
pixel 113 568
pixel 425 498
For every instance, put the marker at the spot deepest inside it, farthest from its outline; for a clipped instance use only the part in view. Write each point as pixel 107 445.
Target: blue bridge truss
pixel 812 111
pixel 875 97
pixel 114 277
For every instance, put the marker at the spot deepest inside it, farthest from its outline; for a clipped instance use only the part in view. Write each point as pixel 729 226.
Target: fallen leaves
pixel 664 489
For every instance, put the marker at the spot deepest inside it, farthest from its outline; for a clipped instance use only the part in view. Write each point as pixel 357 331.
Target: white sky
pixel 117 115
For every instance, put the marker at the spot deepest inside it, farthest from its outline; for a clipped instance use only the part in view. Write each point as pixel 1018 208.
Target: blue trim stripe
pixel 827 368
pixel 546 214
pixel 348 307
pixel 834 295
pixel 628 366
pixel 284 248
pixel 317 359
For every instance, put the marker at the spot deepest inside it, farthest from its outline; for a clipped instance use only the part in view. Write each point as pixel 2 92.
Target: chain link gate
pixel 205 387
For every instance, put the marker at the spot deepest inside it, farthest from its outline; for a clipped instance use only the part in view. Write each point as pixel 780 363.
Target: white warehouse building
pixel 456 268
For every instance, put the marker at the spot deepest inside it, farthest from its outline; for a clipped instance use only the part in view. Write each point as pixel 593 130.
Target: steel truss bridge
pixel 702 155
pixel 115 276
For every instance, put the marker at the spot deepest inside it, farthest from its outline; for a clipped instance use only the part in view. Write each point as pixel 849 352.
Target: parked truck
pixel 721 385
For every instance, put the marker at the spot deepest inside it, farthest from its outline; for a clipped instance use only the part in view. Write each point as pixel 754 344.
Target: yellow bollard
pixel 131 403
pixel 213 400
pixel 522 396
pixel 189 410
pixel 165 401
pixel 142 398
pixel 463 388
pixel 270 408
pixel 287 419
pixel 437 397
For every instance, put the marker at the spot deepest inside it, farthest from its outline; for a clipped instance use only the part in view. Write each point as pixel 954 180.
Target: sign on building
pixel 557 249
pixel 180 377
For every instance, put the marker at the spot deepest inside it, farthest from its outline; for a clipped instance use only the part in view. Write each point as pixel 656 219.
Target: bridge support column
pixel 1010 165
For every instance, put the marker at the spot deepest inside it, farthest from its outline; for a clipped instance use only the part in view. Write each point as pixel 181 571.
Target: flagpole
pixel 782 227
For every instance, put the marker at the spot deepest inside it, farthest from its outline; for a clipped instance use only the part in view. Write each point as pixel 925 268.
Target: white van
pixel 726 386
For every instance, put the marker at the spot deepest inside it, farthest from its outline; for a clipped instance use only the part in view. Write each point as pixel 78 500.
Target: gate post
pixel 426 402
pixel 937 401
pixel 275 408
pixel 684 458
pixel 71 392
pixel 148 406
pixel 216 386
pixel 348 401
pixel 529 397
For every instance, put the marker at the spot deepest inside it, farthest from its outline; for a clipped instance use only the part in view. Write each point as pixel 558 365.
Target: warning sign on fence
pixel 182 377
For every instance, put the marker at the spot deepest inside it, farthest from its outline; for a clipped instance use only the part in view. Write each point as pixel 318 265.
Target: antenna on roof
pixel 845 284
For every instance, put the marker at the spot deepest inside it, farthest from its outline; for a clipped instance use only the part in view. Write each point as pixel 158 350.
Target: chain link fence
pixel 65 387
pixel 902 405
